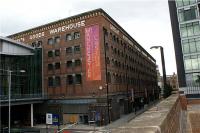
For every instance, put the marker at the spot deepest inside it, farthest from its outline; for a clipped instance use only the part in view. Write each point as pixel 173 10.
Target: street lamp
pixel 163 64
pixel 9 93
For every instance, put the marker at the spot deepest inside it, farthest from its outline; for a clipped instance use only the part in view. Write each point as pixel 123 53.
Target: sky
pixel 147 21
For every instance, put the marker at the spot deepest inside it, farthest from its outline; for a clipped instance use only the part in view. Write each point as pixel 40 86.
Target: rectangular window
pixel 183 30
pixel 78 78
pixel 186 48
pixel 50 41
pixel 68 37
pixel 69 50
pixel 57 52
pixel 190 14
pixel 196 28
pixel 57 39
pixel 76 35
pixel 50 53
pixel 33 44
pixel 192 46
pixel 198 59
pixel 69 79
pixel 50 81
pixel 77 49
pixel 50 67
pixel 186 2
pixel 69 64
pixel 39 44
pixel 188 64
pixel 179 3
pixel 190 29
pixel 77 62
pixel 57 65
pixel 198 44
pixel 180 15
pixel 57 81
pixel 195 63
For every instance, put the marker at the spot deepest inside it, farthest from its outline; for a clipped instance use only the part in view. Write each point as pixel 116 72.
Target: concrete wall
pixel 165 117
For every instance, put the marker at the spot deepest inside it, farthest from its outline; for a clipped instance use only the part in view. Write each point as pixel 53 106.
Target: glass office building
pixel 25 64
pixel 185 16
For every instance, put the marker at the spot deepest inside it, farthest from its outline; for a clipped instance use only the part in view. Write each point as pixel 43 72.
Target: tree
pixel 198 80
pixel 167 91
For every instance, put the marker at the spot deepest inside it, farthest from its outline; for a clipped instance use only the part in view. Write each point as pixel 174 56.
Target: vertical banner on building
pixel 92 47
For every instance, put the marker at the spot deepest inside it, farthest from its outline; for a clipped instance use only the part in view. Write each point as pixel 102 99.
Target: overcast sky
pixel 147 21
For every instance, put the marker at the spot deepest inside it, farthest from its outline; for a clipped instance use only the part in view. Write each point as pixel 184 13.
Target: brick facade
pixel 131 71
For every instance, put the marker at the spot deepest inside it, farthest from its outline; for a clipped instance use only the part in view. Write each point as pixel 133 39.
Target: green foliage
pixel 198 79
pixel 167 91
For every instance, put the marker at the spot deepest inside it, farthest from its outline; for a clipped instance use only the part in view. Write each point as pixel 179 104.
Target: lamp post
pixel 9 94
pixel 163 64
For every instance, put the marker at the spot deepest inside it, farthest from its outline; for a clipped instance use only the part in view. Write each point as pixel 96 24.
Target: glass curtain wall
pixel 188 14
pixel 23 85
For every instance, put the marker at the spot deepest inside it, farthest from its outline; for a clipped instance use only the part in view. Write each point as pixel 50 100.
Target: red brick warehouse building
pixel 77 53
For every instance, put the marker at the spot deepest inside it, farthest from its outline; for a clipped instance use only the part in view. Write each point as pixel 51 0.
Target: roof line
pixel 16 42
pixel 81 14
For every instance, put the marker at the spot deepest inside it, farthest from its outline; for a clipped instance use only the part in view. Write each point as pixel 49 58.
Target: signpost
pixel 49 117
pixel 56 121
pixel 48 120
pixel 52 119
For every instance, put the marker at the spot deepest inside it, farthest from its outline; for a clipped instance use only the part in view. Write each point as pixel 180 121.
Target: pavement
pixel 82 128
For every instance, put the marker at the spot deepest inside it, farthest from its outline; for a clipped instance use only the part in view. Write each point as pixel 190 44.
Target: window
pixel 180 3
pixel 69 63
pixel 195 63
pixel 69 50
pixel 107 60
pixel 50 41
pixel 57 52
pixel 188 64
pixel 197 40
pixel 192 46
pixel 107 47
pixel 196 28
pixel 77 62
pixel 76 35
pixel 108 77
pixel 77 49
pixel 78 79
pixel 190 29
pixel 50 53
pixel 57 39
pixel 69 79
pixel 68 37
pixel 57 65
pixel 57 81
pixel 33 44
pixel 50 81
pixel 189 14
pixel 39 44
pixel 50 66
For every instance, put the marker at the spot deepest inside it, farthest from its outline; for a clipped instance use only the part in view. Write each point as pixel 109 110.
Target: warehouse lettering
pixel 67 27
pixel 35 36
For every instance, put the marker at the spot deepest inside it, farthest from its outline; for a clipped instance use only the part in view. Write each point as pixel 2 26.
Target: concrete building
pixel 172 81
pixel 186 34
pixel 25 88
pixel 92 64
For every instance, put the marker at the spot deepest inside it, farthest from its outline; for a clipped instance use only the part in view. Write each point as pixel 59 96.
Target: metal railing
pixel 192 90
pixel 16 97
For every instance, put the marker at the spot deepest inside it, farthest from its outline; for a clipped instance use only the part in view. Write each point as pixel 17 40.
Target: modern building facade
pixel 186 34
pixel 22 64
pixel 92 63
